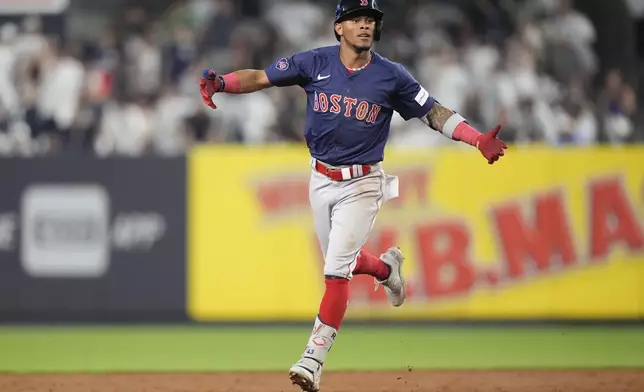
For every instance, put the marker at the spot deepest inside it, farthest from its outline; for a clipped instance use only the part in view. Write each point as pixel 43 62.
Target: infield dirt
pixel 404 381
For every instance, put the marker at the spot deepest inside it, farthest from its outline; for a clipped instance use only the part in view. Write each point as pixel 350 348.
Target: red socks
pixel 368 264
pixel 336 296
pixel 334 302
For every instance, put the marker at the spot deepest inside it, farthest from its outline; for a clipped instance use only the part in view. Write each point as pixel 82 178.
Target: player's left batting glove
pixel 491 146
pixel 209 85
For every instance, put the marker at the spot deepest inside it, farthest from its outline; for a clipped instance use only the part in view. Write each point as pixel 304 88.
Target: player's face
pixel 358 31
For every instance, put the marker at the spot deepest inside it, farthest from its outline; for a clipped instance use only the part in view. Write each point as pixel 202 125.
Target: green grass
pixel 195 349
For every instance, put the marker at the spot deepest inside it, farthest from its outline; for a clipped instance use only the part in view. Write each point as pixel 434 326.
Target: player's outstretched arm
pixel 238 82
pixel 454 126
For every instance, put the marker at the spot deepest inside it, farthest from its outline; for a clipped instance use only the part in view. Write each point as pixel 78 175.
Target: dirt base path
pixel 404 381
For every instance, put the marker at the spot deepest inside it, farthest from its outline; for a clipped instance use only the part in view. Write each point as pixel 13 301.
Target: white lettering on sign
pixel 137 230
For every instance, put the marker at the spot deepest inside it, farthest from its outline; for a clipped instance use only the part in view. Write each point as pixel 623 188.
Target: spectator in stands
pixel 570 36
pixel 125 129
pixel 616 105
pixel 199 127
pixel 145 64
pixel 297 20
pixel 577 123
pixel 98 90
pixel 135 91
pixel 218 30
pixel 179 54
pixel 167 135
pixel 62 77
pixel 31 42
pixel 619 119
pixel 9 99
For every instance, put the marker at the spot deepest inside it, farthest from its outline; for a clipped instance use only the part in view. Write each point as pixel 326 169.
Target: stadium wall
pixel 225 235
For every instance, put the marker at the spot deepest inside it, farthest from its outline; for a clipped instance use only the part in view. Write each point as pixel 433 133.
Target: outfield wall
pixel 226 235
pixel 92 239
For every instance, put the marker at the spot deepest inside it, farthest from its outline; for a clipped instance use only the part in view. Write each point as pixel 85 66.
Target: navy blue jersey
pixel 348 114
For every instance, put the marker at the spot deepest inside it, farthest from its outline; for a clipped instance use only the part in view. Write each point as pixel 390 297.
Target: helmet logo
pixel 364 3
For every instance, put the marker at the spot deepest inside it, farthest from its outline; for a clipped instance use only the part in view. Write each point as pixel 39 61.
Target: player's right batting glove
pixel 491 146
pixel 209 85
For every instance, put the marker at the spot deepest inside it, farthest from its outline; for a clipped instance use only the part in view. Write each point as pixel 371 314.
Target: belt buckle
pixel 326 167
pixel 327 170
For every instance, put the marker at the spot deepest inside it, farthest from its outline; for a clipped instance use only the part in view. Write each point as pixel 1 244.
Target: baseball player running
pixel 352 93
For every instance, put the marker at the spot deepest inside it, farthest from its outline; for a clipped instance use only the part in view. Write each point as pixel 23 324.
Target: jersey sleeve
pixel 411 99
pixel 295 70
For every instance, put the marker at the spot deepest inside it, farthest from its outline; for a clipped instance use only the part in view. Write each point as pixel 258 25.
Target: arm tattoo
pixel 437 116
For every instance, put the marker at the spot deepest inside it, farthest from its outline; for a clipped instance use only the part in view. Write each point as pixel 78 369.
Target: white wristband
pixel 451 124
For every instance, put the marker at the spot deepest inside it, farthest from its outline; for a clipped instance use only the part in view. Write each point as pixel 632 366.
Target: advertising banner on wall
pixel 92 239
pixel 542 234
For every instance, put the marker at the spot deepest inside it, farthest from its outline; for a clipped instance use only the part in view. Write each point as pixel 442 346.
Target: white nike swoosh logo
pixel 320 77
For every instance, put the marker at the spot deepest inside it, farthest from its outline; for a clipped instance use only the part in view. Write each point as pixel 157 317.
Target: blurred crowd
pixel 134 90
